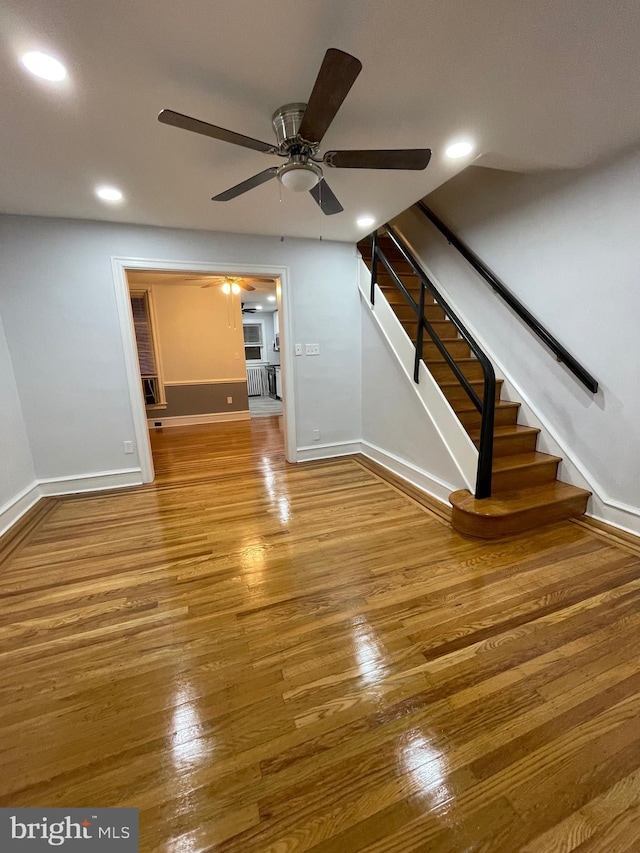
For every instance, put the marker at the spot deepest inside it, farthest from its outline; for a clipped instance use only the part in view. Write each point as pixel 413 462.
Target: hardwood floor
pixel 266 657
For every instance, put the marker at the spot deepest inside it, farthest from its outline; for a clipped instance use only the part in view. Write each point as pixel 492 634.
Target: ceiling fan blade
pixel 329 204
pixel 244 285
pixel 247 185
pixel 196 126
pixel 402 158
pixel 337 75
pixel 260 279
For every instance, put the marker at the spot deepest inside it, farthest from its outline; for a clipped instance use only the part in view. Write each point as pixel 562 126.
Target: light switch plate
pixel 312 349
pixel 298 349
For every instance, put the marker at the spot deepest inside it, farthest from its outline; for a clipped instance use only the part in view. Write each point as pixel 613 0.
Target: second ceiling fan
pixel 299 129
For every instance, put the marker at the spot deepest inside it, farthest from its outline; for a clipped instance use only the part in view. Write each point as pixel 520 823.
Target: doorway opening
pixel 192 333
pixel 261 333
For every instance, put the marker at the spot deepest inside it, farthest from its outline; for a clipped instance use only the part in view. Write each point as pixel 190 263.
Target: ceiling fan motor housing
pixel 286 121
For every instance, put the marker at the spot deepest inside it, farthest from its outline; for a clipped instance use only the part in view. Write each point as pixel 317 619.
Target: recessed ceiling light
pixel 271 299
pixel 365 221
pixel 43 65
pixel 258 307
pixel 109 193
pixel 458 149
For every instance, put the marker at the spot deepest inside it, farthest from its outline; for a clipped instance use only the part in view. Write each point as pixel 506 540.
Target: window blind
pixel 144 338
pixel 253 334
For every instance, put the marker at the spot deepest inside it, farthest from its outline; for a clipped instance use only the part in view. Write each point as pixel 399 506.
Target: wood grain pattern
pixel 268 657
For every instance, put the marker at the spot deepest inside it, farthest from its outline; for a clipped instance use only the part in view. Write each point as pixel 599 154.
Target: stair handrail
pixel 486 406
pixel 562 355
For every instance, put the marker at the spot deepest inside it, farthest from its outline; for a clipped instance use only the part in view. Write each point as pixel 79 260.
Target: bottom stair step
pixel 515 511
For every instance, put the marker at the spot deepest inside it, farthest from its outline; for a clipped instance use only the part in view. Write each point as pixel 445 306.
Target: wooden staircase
pixel 525 491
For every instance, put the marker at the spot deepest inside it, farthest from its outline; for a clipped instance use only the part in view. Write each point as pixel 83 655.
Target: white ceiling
pixel 544 84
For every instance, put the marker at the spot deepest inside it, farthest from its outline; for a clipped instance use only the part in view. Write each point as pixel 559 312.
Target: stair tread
pixel 509 429
pixel 522 460
pixel 480 382
pixel 517 500
pixel 461 360
pixel 469 407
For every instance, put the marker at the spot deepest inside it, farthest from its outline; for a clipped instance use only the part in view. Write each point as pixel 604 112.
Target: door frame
pixel 120 265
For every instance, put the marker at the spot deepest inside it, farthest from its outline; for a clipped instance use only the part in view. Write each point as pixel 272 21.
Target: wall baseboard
pixel 98 482
pixel 191 420
pixel 13 510
pixel 327 451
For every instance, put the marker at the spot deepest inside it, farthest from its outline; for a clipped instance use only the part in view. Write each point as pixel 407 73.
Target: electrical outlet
pixel 229 400
pixel 312 349
pixel 297 349
pixel 128 446
pixel 316 435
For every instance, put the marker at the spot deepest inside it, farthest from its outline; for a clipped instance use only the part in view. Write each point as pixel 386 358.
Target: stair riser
pixel 503 417
pixel 396 299
pixel 442 328
pixel 399 267
pixel 442 372
pixel 458 395
pixel 507 445
pixel 431 312
pixel 457 348
pixel 389 286
pixel 491 528
pixel 522 478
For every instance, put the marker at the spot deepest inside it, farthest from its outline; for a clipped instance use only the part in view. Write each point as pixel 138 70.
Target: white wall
pixel 395 428
pixel 16 465
pixel 199 333
pixel 567 245
pixel 57 298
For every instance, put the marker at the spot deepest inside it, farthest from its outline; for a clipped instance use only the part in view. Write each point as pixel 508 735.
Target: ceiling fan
pixel 249 309
pixel 299 129
pixel 233 282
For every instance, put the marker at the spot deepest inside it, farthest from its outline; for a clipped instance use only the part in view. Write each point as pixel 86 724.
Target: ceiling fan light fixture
pixel 235 289
pixel 299 176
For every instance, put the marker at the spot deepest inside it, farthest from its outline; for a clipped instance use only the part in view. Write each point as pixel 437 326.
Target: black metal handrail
pixel 486 406
pixel 512 301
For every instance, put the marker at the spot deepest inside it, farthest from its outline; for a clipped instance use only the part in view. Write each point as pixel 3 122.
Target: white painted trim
pixel 98 482
pixel 561 449
pixel 120 265
pixel 15 508
pixel 327 451
pixel 455 438
pixel 409 472
pixel 207 381
pixel 190 420
pixel 136 399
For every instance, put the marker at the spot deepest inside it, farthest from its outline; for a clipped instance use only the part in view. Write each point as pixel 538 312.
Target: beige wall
pixel 196 342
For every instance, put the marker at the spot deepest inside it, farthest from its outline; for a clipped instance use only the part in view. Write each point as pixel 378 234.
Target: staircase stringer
pixel 437 408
